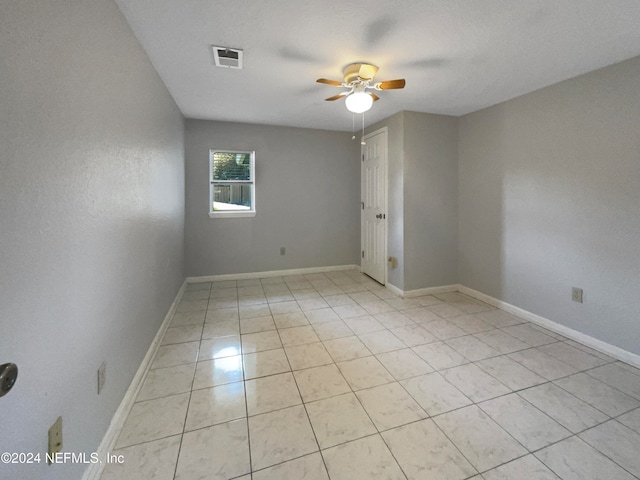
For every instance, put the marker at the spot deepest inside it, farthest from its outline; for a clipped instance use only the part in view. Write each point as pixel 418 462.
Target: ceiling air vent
pixel 227 57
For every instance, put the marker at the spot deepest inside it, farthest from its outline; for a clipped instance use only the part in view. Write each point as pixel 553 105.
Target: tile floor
pixel 330 376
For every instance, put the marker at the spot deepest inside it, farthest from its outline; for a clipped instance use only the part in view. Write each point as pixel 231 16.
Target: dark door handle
pixel 8 376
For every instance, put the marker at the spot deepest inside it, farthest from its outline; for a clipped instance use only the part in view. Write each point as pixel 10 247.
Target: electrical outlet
pixel 576 294
pixel 102 376
pixel 55 439
pixel 282 250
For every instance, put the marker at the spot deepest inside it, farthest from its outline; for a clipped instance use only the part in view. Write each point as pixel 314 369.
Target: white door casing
pixel 373 190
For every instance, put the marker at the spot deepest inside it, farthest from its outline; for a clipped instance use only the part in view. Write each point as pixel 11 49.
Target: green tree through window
pixel 231 166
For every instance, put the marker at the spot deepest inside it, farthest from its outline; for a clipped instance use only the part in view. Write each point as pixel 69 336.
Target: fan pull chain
pixel 353 126
pixel 362 142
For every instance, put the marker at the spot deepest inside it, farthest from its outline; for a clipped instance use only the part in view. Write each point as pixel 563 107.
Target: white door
pixel 373 218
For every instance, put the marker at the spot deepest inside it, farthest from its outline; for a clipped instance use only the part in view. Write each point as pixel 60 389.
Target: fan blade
pixel 374 96
pixel 367 72
pixel 391 84
pixel 335 83
pixel 336 97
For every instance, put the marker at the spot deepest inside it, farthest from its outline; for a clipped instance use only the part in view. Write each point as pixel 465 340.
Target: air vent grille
pixel 227 57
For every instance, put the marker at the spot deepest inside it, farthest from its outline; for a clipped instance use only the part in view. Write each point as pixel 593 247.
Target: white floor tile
pixel 162 382
pixel 215 453
pixel 298 336
pixel 187 318
pixel 332 330
pixel 219 347
pixel 291 319
pixel 403 364
pixel 261 341
pixel 618 377
pixel 573 459
pixel 424 452
pixel 178 354
pixel 474 383
pixel 346 348
pixel 338 420
pixel 472 348
pixel 211 406
pixel 598 394
pixel 413 335
pixel 271 393
pixel 501 341
pixel 510 372
pixel 631 420
pixel 382 341
pixel 434 394
pixel 309 467
pixel 569 411
pixel 218 372
pixel 572 356
pixel 307 356
pixel 364 373
pixel 440 355
pixel 366 324
pixel 321 382
pixel 280 436
pixel 544 365
pixel 479 438
pixel 156 459
pixel 529 335
pixel 616 441
pixel 390 406
pixel 154 419
pixel 524 422
pixel 528 467
pixel 261 364
pixel 363 459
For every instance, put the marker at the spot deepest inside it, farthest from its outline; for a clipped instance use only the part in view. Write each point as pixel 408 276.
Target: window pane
pixel 231 166
pixel 231 197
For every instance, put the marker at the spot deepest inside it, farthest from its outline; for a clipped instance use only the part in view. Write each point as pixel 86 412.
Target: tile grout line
pixel 315 436
pixel 186 413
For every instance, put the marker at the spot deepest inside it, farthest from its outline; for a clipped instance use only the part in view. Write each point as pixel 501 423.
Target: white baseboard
pixel 395 290
pixel 604 347
pixel 422 291
pixel 94 470
pixel 272 273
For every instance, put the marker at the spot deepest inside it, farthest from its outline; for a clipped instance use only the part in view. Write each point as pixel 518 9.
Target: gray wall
pixel 307 200
pixel 550 199
pixel 91 215
pixel 422 198
pixel 430 200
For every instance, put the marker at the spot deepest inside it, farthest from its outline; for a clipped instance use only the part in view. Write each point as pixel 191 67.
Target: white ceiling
pixel 457 56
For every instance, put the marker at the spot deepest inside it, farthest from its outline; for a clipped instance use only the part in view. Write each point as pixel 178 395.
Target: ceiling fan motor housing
pixel 357 72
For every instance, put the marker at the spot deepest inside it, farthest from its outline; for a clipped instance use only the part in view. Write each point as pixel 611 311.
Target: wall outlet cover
pixel 55 438
pixel 102 377
pixel 576 294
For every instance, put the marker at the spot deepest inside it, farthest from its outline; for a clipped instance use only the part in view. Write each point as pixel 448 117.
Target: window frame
pixel 252 181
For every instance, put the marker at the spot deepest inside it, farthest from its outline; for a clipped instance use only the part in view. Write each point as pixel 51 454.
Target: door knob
pixel 379 215
pixel 8 376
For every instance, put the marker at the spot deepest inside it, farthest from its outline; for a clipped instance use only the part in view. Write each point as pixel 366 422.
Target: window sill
pixel 231 214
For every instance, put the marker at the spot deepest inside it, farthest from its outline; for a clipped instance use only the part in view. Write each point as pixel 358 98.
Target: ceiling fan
pixel 358 78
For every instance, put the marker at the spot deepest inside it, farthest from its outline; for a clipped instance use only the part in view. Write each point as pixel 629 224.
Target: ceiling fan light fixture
pixel 359 102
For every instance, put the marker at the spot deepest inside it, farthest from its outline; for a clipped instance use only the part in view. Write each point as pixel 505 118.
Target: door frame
pixel 384 130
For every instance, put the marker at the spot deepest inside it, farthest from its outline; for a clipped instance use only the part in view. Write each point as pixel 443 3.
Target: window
pixel 232 178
